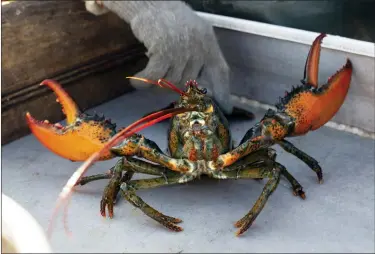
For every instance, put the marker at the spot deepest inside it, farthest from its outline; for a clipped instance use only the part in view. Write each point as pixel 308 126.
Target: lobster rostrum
pixel 199 141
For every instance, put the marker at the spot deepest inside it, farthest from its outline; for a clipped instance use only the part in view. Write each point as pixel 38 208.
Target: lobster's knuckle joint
pixel 125 186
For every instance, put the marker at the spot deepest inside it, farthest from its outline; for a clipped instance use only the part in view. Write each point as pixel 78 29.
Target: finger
pixel 192 69
pixel 176 68
pixel 173 75
pixel 156 68
pixel 94 8
pixel 216 75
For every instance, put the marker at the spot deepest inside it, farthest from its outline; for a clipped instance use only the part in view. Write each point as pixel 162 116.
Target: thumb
pixel 217 77
pixel 94 8
pixel 156 68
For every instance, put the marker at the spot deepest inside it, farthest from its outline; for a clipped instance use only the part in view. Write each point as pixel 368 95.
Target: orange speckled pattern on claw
pixel 76 143
pixel 313 109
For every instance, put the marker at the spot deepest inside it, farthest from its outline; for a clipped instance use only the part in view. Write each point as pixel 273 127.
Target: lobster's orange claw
pixel 83 135
pixel 312 106
pixel 312 62
pixel 331 96
pixel 311 109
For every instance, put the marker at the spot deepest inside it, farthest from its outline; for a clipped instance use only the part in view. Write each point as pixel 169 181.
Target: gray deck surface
pixel 337 216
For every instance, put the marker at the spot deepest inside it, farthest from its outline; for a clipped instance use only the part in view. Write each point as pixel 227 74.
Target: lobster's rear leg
pixel 308 160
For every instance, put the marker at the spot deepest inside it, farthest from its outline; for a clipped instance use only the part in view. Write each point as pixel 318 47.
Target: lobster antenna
pixel 66 193
pixel 162 83
pixel 171 86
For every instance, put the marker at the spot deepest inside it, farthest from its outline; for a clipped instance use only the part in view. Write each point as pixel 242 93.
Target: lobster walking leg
pixel 88 179
pixel 308 160
pixel 296 186
pixel 130 166
pixel 265 158
pixel 257 172
pixel 128 191
pixel 107 175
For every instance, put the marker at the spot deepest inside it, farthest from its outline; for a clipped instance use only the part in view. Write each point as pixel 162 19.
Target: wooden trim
pixel 89 55
pixel 72 75
pixel 43 38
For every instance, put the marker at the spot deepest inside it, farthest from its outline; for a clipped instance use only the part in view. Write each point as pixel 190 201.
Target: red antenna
pixel 162 83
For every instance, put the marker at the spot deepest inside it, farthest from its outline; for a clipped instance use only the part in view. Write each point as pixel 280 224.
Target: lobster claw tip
pixel 69 107
pixel 312 62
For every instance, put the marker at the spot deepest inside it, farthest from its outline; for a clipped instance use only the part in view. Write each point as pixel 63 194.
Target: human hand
pixel 181 45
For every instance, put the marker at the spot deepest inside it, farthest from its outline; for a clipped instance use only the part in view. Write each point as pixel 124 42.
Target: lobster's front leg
pixel 130 166
pixel 138 145
pixel 311 162
pixel 262 171
pixel 264 158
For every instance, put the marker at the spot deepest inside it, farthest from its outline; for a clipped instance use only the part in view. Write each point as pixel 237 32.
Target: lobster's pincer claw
pixel 80 138
pixel 311 109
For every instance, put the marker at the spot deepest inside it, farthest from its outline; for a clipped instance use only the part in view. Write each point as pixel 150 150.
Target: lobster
pixel 199 141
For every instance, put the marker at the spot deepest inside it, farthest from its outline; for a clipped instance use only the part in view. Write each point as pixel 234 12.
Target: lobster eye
pixel 204 90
